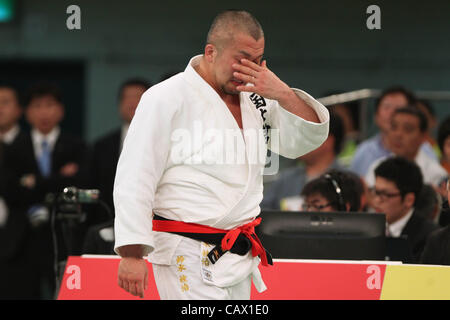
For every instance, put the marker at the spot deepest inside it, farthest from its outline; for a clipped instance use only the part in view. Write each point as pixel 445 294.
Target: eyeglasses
pixel 384 195
pixel 315 207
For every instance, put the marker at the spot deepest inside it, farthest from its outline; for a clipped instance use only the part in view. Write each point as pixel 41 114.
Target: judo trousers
pixel 183 279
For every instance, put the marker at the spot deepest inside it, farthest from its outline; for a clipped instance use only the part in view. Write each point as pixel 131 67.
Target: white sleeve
pixel 296 135
pixel 140 167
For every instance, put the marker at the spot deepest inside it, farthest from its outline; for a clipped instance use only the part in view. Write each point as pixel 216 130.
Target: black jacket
pixel 417 230
pixel 437 247
pixel 20 160
pixel 103 164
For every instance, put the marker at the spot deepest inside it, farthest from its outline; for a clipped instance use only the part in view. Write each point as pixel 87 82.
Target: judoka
pixel 189 179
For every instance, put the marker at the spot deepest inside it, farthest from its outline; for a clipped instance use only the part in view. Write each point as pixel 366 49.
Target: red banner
pixel 95 277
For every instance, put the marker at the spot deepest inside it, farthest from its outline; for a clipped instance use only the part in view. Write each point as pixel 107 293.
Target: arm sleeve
pixel 141 164
pixel 297 136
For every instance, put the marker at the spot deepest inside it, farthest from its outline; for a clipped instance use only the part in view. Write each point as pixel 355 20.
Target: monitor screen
pixel 323 235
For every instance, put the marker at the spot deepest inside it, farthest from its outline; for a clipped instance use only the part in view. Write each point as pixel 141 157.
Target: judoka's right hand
pixel 133 275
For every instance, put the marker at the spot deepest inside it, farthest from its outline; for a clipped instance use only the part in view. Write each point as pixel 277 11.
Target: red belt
pixel 248 230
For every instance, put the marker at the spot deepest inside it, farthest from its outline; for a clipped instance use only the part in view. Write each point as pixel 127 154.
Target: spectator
pixel 428 110
pixel 10 113
pixel 334 191
pixel 429 203
pixel 398 183
pixel 405 137
pixel 103 165
pixel 10 133
pixel 106 150
pixel 349 113
pixel 284 192
pixel 444 143
pixel 18 280
pixel 437 247
pixel 377 147
pixel 46 161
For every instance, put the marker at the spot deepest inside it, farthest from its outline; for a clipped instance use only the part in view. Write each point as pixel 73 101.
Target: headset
pixel 341 202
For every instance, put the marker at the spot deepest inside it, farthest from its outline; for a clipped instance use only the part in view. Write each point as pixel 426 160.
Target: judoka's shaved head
pixel 228 23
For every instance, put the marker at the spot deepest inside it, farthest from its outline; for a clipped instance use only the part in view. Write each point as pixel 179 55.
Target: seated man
pixel 444 143
pixel 284 192
pixel 378 146
pixel 437 247
pixel 398 183
pixel 405 137
pixel 432 122
pixel 334 191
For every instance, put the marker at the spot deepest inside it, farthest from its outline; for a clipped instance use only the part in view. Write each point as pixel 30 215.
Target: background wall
pixel 317 45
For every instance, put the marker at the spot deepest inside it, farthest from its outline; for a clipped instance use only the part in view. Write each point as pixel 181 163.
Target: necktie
pixel 45 159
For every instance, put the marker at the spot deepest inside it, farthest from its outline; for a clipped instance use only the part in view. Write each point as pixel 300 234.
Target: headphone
pixel 341 202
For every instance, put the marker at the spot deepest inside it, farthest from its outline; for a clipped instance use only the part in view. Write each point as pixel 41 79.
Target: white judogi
pixel 173 163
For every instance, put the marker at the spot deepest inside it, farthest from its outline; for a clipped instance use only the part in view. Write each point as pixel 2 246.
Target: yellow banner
pixel 416 282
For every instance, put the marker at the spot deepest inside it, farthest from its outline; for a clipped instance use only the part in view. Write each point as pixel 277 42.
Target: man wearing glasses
pixel 398 183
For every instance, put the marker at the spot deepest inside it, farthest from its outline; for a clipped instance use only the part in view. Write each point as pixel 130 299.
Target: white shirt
pixel 165 163
pixel 396 228
pixel 433 173
pixel 9 136
pixel 37 139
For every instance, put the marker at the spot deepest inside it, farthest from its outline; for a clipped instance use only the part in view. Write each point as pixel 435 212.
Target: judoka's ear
pixel 210 52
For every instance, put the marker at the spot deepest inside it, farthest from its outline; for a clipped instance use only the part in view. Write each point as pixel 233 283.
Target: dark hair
pixel 350 185
pixel 337 131
pixel 393 90
pixel 414 111
pixel 427 105
pixel 227 19
pixel 405 174
pixel 43 89
pixel 8 86
pixel 443 133
pixel 352 106
pixel 134 82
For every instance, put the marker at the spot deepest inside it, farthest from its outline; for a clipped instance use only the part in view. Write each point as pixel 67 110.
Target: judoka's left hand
pixel 265 82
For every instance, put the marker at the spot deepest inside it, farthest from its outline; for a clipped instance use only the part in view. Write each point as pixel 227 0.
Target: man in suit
pixel 437 247
pixel 103 163
pixel 398 183
pixel 10 133
pixel 10 113
pixel 16 278
pixel 44 162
